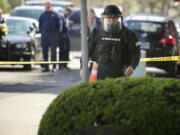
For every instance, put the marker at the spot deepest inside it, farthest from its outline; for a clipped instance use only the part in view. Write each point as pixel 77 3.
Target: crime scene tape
pixel 172 58
pixel 31 62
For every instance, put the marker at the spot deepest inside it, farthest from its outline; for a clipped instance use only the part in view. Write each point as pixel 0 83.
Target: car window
pixel 28 13
pixel 145 26
pixel 18 27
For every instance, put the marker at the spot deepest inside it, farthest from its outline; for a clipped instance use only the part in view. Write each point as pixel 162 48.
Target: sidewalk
pixel 21 111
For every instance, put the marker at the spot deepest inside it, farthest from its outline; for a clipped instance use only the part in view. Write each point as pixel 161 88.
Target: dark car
pixel 158 36
pixel 63 4
pixel 22 43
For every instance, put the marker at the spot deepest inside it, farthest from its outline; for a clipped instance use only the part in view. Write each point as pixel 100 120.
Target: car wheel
pixel 28 67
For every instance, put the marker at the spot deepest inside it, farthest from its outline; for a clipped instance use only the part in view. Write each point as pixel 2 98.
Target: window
pixel 18 27
pixel 28 13
pixel 145 26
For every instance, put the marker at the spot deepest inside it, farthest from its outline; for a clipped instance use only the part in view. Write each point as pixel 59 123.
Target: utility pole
pixel 84 43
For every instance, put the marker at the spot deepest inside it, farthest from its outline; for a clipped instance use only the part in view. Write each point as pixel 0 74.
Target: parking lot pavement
pixel 24 96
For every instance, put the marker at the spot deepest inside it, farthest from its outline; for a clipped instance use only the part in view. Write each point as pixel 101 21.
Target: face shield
pixel 112 24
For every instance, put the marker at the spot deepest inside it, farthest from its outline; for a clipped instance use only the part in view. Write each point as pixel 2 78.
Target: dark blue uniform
pixel 50 28
pixel 64 43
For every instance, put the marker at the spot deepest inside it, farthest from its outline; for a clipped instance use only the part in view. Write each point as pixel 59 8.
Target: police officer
pixel 115 48
pixel 65 40
pixel 50 28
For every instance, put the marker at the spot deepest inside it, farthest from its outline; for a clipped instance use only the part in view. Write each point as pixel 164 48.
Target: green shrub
pixel 147 106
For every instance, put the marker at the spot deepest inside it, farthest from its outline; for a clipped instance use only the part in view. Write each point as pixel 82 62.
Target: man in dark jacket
pixel 65 40
pixel 115 48
pixel 50 25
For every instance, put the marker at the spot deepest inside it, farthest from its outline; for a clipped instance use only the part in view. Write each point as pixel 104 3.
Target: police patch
pixel 138 44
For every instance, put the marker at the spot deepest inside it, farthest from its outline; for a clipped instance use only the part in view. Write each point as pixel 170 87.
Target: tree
pixel 14 3
pixel 4 6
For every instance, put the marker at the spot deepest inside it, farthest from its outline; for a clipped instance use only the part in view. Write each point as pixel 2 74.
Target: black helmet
pixel 112 11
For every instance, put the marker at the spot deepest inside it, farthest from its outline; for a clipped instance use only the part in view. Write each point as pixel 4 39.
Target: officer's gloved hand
pixel 129 71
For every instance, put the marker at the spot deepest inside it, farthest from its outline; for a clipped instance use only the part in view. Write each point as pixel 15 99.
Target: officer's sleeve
pixel 61 22
pixel 133 49
pixel 65 26
pixel 92 41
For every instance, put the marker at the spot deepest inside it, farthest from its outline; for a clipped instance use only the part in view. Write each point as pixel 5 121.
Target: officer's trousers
pixel 64 50
pixel 49 39
pixel 108 70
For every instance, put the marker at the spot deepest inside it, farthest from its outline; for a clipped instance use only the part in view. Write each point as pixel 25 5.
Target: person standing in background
pixel 93 20
pixel 65 42
pixel 50 27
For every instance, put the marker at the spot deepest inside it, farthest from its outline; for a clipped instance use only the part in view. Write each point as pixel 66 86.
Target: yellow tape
pixel 32 62
pixel 172 58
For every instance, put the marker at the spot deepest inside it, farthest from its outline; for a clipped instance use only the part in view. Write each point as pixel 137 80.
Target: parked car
pixel 22 42
pixel 63 4
pixel 158 36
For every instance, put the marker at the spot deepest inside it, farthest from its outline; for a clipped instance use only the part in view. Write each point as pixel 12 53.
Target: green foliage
pixel 147 106
pixel 4 6
pixel 14 3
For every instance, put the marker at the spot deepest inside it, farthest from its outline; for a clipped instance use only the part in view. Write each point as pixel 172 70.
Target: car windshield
pixel 145 26
pixel 17 27
pixel 28 13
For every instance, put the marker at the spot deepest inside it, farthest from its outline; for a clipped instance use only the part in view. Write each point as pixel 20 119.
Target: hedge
pixel 145 105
